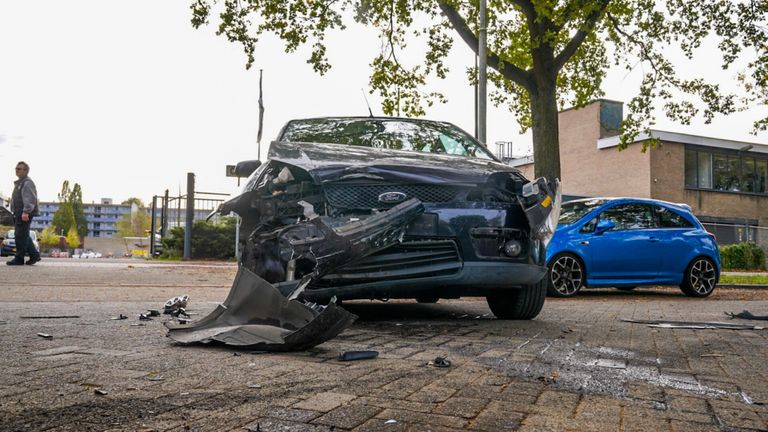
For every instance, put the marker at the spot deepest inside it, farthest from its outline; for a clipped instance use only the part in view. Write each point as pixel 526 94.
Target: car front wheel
pixel 565 276
pixel 523 303
pixel 700 278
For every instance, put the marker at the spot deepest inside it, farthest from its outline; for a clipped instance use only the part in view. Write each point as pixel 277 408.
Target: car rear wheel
pixel 700 278
pixel 523 303
pixel 565 276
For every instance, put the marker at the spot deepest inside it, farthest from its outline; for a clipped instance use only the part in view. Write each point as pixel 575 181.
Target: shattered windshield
pixel 573 211
pixel 394 134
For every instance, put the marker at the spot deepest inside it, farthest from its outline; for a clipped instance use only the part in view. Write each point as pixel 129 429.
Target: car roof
pixel 679 206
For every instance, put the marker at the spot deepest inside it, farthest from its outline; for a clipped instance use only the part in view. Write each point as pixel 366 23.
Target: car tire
pixel 427 300
pixel 626 288
pixel 565 275
pixel 700 278
pixel 523 303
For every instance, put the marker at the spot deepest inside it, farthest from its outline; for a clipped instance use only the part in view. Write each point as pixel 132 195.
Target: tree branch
pixel 580 36
pixel 509 71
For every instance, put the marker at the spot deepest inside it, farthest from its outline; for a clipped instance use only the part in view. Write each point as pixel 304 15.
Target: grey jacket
pixel 26 187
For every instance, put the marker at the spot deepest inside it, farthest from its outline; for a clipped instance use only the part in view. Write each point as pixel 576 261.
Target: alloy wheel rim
pixel 566 275
pixel 703 276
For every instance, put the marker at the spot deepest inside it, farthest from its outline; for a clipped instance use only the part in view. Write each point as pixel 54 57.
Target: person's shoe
pixel 32 261
pixel 15 262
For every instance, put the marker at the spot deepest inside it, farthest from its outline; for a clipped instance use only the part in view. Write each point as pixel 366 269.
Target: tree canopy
pixel 544 54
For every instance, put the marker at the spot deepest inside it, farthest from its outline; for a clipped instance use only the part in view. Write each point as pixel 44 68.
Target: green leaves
pixel 532 44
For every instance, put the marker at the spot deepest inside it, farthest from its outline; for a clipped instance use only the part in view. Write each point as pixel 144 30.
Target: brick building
pixel 725 182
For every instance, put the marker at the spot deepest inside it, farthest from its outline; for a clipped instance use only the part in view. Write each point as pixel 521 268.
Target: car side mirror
pixel 246 168
pixel 603 226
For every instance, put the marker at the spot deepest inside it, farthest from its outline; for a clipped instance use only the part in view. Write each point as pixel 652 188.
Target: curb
pixel 742 286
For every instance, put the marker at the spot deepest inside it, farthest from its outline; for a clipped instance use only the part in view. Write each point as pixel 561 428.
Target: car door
pixel 631 251
pixel 676 248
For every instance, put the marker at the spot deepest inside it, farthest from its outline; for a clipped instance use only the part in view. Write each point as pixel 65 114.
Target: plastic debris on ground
pixel 358 355
pixel 747 315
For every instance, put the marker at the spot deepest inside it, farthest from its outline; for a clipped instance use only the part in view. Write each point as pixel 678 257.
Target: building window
pixel 725 171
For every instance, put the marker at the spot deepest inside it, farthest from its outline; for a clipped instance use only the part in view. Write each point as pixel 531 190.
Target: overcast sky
pixel 125 98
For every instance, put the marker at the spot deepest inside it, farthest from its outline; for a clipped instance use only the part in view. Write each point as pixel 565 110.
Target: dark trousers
pixel 24 245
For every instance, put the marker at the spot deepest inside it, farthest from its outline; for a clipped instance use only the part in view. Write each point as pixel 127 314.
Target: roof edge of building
pixel 683 138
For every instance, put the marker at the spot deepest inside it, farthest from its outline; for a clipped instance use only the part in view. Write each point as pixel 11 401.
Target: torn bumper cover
pixel 258 315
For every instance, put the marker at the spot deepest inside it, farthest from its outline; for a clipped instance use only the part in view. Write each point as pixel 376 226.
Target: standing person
pixel 24 207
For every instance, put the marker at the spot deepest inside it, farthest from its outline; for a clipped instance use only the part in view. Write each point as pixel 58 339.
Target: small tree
pixel 73 240
pixel 134 224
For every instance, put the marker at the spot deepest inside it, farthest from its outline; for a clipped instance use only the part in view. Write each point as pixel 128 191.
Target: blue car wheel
pixel 700 278
pixel 566 276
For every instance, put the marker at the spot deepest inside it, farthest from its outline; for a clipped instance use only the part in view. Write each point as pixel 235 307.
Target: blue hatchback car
pixel 629 242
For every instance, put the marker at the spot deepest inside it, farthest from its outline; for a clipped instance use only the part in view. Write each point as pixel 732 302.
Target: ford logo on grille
pixel 392 197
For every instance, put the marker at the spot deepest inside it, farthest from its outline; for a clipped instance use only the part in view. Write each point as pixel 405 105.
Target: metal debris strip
pixel 747 315
pixel 175 304
pixel 693 325
pixel 358 355
pixel 45 335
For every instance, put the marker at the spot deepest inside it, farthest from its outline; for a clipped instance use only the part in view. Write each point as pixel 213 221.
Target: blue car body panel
pixel 634 257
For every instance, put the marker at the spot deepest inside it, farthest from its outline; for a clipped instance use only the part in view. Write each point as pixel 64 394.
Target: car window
pixel 629 216
pixel 571 212
pixel 589 227
pixel 669 219
pixel 395 134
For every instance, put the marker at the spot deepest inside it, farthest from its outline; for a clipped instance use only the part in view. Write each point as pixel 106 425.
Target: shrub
pixel 742 256
pixel 209 240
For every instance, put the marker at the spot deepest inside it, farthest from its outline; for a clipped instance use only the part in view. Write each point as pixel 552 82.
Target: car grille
pixel 366 196
pixel 407 260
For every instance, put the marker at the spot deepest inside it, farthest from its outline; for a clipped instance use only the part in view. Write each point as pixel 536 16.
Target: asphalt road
pixel 575 367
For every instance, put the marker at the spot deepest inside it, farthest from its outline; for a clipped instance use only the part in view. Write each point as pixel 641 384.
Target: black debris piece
pixel 120 317
pixel 747 315
pixel 693 325
pixel 440 362
pixel 153 312
pixel 100 392
pixel 45 336
pixel 144 317
pixel 358 355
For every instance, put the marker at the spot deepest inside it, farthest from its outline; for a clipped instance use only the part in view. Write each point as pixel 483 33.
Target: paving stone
pixel 462 407
pixel 348 416
pixel 324 402
pixel 422 418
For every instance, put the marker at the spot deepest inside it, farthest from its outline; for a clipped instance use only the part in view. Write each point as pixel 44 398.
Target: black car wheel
pixel 427 299
pixel 700 278
pixel 565 276
pixel 523 303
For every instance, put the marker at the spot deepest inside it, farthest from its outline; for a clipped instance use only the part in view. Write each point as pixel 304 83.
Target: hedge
pixel 742 256
pixel 209 240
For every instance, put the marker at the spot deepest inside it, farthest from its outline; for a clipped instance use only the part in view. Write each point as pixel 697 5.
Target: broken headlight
pixel 541 200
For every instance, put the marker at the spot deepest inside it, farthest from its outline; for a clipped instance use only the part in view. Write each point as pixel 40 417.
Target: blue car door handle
pixel 584 242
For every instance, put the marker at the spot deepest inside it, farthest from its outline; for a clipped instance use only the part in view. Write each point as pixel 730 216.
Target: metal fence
pixel 181 211
pixel 737 233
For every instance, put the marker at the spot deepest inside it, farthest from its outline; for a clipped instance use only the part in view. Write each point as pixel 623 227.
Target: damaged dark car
pixel 384 208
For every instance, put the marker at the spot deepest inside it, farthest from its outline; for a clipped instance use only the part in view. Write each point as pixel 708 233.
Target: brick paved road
pixel 576 367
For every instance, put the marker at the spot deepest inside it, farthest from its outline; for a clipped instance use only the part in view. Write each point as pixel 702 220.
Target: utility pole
pixel 190 216
pixel 482 73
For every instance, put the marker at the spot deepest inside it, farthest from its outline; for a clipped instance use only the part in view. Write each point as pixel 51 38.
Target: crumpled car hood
pixel 332 162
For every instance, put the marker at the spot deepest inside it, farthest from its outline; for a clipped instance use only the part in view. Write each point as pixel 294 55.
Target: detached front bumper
pixel 471 279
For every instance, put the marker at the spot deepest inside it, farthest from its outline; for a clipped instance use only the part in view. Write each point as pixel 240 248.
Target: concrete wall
pixel 106 245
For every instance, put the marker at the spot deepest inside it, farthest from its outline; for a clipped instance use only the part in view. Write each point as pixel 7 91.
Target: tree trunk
pixel 546 147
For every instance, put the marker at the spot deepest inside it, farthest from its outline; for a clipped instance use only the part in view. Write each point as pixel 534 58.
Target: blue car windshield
pixel 394 134
pixel 571 212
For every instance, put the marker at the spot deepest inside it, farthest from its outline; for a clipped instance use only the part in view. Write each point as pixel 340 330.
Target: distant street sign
pixel 231 171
